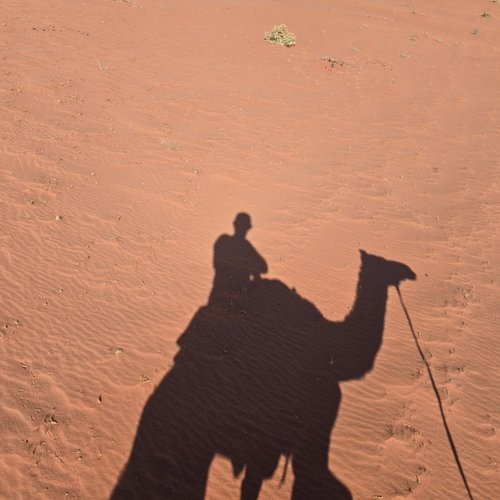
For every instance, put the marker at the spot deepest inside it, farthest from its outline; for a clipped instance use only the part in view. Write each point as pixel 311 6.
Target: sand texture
pixel 132 132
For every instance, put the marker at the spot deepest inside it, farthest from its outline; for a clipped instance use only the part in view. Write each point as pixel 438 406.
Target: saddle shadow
pixel 256 377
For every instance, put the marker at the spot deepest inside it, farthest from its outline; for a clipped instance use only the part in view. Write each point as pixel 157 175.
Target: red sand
pixel 132 132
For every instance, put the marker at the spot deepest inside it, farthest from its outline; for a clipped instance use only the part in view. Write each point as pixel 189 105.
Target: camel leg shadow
pixel 313 478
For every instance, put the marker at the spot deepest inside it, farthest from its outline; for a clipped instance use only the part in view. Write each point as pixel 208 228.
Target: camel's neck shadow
pixel 256 377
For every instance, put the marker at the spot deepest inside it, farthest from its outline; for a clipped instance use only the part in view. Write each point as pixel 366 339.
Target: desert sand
pixel 133 132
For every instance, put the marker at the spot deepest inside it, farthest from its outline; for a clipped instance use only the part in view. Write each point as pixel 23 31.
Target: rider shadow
pixel 256 377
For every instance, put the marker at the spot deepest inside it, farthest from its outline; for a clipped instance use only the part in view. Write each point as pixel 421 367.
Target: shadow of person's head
pixel 242 224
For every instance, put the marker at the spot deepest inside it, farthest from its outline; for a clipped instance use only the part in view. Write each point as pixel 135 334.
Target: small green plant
pixel 280 36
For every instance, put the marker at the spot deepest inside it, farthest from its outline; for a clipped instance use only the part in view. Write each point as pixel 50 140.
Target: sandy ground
pixel 132 132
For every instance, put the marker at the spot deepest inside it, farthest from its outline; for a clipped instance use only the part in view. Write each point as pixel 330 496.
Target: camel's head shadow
pixel 388 271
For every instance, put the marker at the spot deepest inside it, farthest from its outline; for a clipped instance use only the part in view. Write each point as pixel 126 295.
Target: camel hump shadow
pixel 255 383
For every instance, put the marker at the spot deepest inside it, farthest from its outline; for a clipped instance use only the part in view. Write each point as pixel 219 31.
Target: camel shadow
pixel 256 378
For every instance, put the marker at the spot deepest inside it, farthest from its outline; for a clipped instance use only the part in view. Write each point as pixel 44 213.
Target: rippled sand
pixel 132 132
